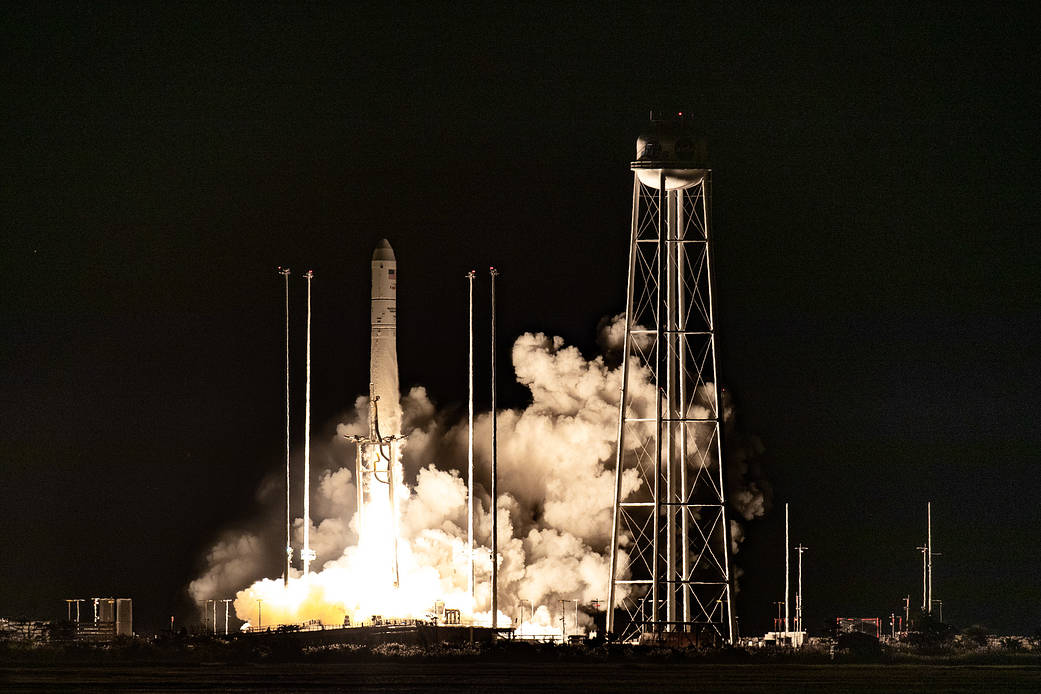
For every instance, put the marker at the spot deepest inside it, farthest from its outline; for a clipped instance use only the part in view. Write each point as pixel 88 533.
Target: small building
pixel 784 639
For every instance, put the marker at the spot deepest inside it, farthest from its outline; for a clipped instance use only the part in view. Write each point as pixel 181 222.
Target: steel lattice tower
pixel 671 571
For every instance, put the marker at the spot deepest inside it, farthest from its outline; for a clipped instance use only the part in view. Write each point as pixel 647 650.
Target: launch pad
pixel 413 632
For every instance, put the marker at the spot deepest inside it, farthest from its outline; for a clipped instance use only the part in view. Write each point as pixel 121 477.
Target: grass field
pixel 406 676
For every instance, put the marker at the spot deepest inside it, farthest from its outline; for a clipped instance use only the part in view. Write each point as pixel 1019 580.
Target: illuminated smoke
pixel 556 473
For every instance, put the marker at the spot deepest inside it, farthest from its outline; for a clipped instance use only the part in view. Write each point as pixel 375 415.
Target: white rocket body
pixel 383 352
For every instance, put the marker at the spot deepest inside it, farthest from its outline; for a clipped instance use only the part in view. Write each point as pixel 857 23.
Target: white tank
pixel 670 147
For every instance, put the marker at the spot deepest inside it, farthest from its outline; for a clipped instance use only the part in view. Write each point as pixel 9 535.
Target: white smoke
pixel 556 482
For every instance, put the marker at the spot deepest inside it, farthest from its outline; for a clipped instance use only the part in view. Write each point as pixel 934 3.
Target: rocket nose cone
pixel 383 251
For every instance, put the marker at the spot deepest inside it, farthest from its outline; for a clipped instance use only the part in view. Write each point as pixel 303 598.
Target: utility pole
pixel 495 476
pixel 260 621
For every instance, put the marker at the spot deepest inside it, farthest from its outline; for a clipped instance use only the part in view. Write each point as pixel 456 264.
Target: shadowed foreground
pixel 407 676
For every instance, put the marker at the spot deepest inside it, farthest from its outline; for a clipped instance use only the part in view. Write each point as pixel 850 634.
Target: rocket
pixel 383 351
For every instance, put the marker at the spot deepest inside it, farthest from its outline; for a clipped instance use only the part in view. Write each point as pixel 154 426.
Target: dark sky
pixel 875 201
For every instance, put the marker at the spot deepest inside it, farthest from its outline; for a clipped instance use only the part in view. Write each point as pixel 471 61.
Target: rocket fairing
pixel 383 352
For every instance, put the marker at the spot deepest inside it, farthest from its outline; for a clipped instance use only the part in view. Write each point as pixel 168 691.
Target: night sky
pixel 875 204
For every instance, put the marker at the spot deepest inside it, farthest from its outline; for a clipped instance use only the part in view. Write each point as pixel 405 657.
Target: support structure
pixel 470 582
pixel 289 520
pixel 307 555
pixel 375 469
pixel 671 570
pixel 495 475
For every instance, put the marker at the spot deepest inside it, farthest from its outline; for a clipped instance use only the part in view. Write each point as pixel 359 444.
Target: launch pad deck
pixel 418 634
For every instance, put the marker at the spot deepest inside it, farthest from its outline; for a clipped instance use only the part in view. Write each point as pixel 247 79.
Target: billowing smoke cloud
pixel 556 481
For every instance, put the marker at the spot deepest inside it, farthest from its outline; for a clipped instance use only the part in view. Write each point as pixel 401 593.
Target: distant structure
pixel 872 626
pixel 783 634
pixel 670 577
pixel 111 617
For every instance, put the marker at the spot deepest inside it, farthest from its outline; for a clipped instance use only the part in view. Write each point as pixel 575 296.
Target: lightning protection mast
pixel 289 521
pixel 671 571
pixel 470 454
pixel 307 555
pixel 495 473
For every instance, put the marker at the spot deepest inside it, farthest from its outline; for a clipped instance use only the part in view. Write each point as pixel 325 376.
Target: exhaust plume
pixel 556 475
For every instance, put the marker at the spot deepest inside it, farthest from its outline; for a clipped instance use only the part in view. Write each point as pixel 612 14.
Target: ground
pixel 405 676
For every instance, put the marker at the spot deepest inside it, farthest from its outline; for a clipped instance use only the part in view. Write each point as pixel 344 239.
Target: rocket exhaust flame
pixel 381 451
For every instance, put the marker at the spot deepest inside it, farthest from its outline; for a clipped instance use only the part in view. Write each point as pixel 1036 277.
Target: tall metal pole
pixel 929 544
pixel 623 398
pixel 925 574
pixel 706 213
pixel 260 619
pixel 289 523
pixel 660 356
pixel 214 616
pixel 227 603
pixel 669 440
pixel 680 325
pixel 470 582
pixel 798 598
pixel 787 571
pixel 495 476
pixel 307 554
